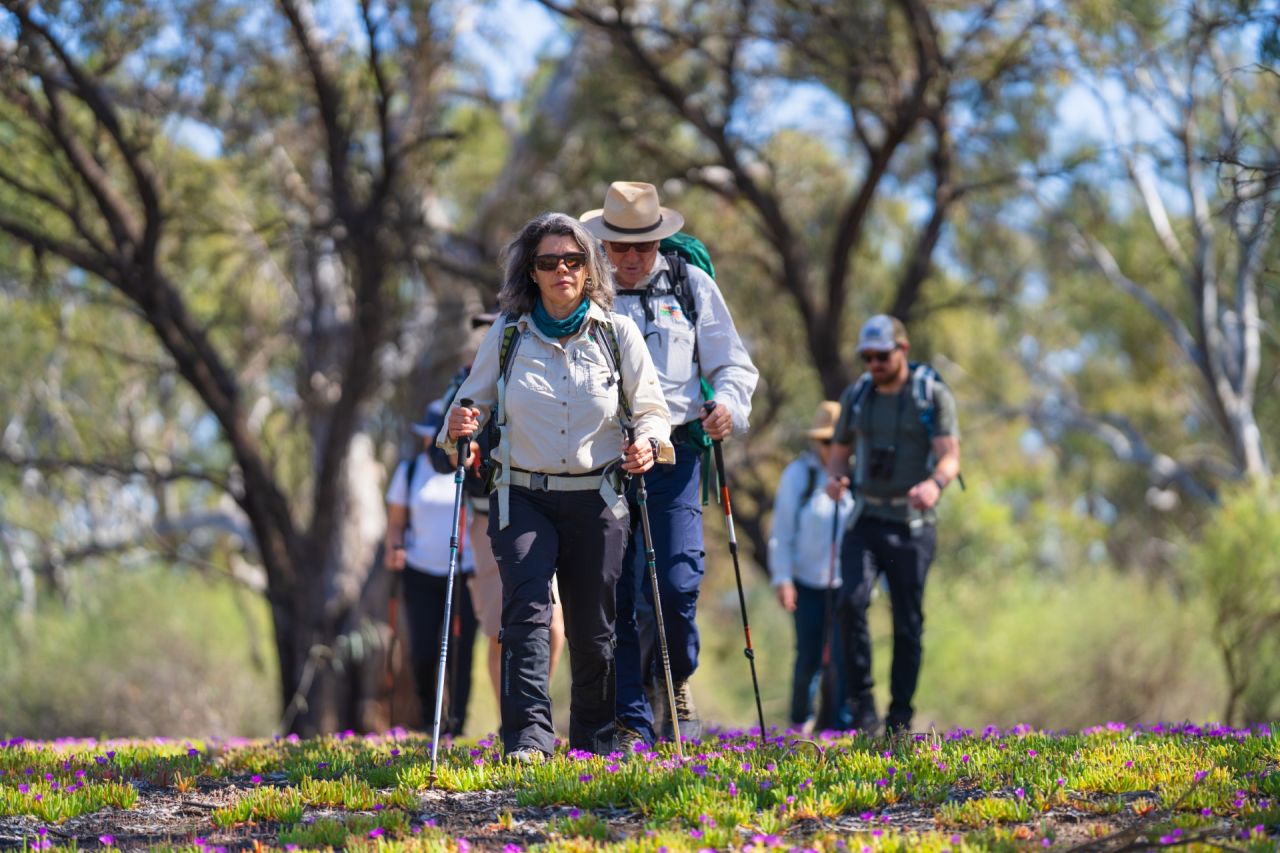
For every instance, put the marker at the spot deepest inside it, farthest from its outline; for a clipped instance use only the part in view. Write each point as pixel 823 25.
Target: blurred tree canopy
pixel 240 242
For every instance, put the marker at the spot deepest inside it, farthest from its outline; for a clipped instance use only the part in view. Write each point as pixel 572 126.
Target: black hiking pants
pixel 574 535
pixel 873 547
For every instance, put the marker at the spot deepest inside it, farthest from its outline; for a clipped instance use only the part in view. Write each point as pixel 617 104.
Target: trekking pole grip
pixel 464 449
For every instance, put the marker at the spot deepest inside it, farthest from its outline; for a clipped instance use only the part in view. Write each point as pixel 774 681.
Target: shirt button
pixel 562 432
pixel 562 461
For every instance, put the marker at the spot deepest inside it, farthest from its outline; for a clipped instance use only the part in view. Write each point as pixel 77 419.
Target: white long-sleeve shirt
pixel 429 500
pixel 800 542
pixel 670 338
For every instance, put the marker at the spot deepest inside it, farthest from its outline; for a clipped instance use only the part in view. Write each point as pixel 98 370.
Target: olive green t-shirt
pixel 889 431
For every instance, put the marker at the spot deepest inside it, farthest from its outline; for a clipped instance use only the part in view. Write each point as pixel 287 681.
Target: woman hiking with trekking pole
pixel 558 378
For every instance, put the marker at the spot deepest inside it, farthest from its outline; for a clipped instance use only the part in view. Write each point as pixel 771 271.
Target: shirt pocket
pixel 591 373
pixel 676 363
pixel 679 360
pixel 531 372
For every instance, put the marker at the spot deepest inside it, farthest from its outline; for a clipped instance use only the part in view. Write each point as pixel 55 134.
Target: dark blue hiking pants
pixel 675 516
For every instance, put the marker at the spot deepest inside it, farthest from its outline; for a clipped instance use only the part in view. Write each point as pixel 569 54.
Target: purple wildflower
pixel 106 840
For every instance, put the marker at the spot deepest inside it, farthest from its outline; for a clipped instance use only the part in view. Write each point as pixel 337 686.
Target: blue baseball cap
pixel 882 333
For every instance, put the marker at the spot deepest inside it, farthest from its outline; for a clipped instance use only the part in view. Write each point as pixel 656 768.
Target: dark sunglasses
pixel 622 248
pixel 572 261
pixel 825 442
pixel 877 357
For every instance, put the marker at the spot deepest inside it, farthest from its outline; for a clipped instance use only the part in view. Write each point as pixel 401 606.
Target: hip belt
pixel 872 500
pixel 540 482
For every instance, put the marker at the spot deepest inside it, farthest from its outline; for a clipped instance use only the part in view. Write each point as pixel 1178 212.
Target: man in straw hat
pixel 901 419
pixel 686 350
pixel 805 572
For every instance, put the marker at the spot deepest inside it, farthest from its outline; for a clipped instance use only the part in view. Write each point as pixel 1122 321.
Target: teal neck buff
pixel 553 328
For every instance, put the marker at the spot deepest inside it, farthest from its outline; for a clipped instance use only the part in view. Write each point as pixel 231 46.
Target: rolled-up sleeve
pixel 481 387
pixel 640 383
pixel 723 357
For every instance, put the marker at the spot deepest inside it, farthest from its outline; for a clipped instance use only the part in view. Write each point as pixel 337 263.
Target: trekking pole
pixel 829 712
pixel 455 540
pixel 651 566
pixel 737 572
pixel 455 630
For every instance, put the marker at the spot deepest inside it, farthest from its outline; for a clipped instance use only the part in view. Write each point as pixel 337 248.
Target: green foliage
pixel 213 675
pixel 280 805
pixel 1234 569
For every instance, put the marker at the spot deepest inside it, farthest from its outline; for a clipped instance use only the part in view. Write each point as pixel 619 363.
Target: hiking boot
pixel 655 691
pixel 896 724
pixel 527 755
pixel 865 718
pixel 686 714
pixel 628 741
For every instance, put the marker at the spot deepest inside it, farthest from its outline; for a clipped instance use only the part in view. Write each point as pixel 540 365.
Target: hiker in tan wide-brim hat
pixel 632 214
pixel 824 421
pixel 691 337
pixel 804 571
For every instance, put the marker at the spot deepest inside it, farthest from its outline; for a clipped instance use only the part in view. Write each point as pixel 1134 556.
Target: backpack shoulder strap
pixel 924 382
pixel 408 491
pixel 613 355
pixel 510 343
pixel 861 388
pixel 811 481
pixel 682 289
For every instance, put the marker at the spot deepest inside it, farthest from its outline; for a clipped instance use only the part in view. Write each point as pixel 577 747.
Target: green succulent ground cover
pixel 1108 788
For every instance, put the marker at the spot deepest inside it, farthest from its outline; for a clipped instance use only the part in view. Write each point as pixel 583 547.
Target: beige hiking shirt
pixel 562 399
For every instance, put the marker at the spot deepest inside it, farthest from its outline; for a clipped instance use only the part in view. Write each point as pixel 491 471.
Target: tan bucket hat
pixel 824 420
pixel 632 214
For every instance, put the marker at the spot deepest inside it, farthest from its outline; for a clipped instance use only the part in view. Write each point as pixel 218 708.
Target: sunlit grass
pixel 989 790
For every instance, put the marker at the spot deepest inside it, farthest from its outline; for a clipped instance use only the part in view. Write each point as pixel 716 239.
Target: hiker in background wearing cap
pixel 577 376
pixel 631 224
pixel 419 524
pixel 901 420
pixel 485 583
pixel 806 574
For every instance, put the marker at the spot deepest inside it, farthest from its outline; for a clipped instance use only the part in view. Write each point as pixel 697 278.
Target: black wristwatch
pixel 941 485
pixel 656 446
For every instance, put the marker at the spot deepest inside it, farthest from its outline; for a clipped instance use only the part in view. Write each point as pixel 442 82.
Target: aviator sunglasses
pixel 572 261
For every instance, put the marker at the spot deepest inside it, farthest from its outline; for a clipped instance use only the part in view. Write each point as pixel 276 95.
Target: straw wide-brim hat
pixel 632 214
pixel 824 420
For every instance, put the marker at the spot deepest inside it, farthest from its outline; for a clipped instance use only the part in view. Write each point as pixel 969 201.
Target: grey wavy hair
pixel 519 290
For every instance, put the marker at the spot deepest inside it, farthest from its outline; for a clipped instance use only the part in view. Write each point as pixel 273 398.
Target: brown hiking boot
pixel 628 741
pixel 686 714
